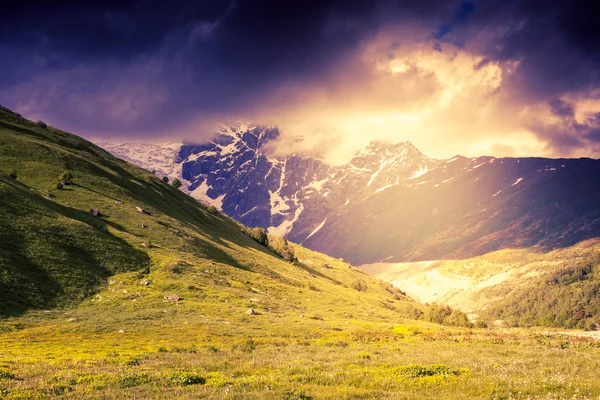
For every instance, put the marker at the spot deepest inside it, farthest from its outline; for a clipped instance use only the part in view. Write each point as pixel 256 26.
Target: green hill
pixel 55 252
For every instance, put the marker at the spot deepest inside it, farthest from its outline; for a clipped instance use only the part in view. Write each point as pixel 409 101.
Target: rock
pixel 95 212
pixel 144 226
pixel 121 330
pixel 143 211
pixel 251 312
pixel 111 282
pixel 119 202
pixel 144 282
pixel 172 297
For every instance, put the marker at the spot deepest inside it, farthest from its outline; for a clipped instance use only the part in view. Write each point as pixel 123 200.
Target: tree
pixel 281 246
pixel 13 174
pixel 176 183
pixel 213 210
pixel 260 235
pixel 41 124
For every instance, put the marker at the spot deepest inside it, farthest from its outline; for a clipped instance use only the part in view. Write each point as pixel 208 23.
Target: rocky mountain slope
pixel 390 202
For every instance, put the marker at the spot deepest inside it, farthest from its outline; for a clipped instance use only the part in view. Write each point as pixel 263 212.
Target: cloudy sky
pixel 498 77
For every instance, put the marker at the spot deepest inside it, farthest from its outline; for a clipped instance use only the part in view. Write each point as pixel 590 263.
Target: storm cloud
pixel 493 77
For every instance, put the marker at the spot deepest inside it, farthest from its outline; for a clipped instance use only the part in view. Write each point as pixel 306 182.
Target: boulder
pixel 171 297
pixel 251 312
pixel 143 211
pixel 95 212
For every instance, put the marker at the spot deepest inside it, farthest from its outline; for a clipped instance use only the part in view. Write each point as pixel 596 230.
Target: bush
pixel 281 246
pixel 59 185
pixel 41 124
pixel 359 285
pixel 445 315
pixel 66 178
pixel 414 313
pixel 13 174
pixel 458 318
pixel 176 183
pixel 165 179
pixel 213 210
pixel 260 235
pixel 187 378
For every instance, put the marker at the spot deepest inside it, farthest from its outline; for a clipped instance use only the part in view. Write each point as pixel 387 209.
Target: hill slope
pixel 54 251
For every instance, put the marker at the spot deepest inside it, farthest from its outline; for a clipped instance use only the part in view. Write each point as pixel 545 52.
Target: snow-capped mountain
pixel 389 202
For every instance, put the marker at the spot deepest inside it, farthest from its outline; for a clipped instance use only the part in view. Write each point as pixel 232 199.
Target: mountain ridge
pixel 372 208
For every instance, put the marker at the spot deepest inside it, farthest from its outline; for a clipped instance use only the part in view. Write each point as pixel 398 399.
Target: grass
pixel 88 307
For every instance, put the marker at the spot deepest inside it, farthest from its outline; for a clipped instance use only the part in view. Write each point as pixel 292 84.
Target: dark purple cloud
pixel 149 67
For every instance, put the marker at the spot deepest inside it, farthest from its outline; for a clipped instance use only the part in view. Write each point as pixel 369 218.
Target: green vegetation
pixel 566 296
pixel 281 246
pixel 180 302
pixel 445 315
pixel 260 235
pixel 176 183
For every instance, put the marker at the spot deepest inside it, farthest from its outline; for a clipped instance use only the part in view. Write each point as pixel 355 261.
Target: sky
pixel 480 77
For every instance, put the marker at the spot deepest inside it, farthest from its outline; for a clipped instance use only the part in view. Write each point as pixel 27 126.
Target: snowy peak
pixel 249 135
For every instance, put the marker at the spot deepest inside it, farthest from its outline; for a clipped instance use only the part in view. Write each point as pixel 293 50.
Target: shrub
pixel 41 124
pixel 437 313
pixel 458 318
pixel 165 179
pixel 414 313
pixel 187 378
pixel 359 285
pixel 66 178
pixel 260 235
pixel 59 185
pixel 213 210
pixel 247 346
pixel 13 174
pixel 281 246
pixel 445 315
pixel 176 183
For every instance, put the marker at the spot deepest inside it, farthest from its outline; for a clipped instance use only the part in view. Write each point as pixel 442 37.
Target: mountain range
pixel 390 202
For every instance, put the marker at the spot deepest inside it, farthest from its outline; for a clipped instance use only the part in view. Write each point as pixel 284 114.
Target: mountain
pixel 390 202
pixel 60 243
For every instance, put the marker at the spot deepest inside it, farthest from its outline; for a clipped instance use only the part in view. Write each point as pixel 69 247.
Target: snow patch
pixel 422 171
pixel 497 193
pixel 200 194
pixel 517 182
pixel 317 229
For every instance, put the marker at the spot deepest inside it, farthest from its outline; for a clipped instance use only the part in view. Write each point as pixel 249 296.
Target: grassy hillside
pixel 56 252
pixel 520 287
pixel 183 303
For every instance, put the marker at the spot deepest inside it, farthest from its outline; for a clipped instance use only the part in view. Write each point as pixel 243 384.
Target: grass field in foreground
pixel 258 357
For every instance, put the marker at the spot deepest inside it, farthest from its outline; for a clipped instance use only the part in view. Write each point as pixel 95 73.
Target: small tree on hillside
pixel 213 210
pixel 281 246
pixel 176 183
pixel 41 124
pixel 13 174
pixel 260 235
